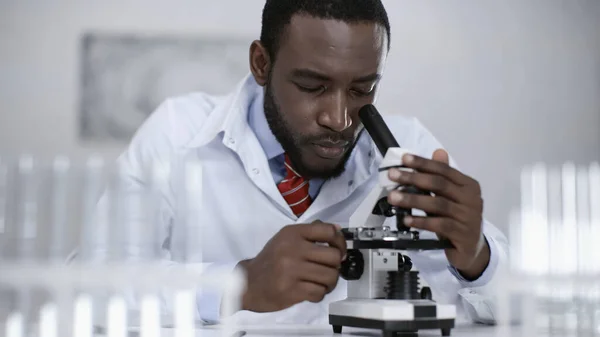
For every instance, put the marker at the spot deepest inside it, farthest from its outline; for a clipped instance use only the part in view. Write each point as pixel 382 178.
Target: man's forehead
pixel 362 39
pixel 333 45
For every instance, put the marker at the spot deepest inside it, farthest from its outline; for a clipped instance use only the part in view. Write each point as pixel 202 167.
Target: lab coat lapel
pixel 258 170
pixel 239 137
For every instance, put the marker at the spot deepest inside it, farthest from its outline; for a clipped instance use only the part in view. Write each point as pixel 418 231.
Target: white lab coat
pixel 241 208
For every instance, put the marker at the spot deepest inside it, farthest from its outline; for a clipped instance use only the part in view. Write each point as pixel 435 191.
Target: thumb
pixel 441 155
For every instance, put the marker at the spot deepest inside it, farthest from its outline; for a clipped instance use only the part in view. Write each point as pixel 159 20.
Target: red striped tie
pixel 294 189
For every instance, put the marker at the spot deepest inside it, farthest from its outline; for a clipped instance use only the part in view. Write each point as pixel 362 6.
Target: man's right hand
pixel 293 268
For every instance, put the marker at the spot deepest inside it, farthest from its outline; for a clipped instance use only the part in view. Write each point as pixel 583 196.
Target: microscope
pixel 383 289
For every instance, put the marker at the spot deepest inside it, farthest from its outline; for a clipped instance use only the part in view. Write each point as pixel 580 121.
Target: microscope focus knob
pixel 353 267
pixel 404 263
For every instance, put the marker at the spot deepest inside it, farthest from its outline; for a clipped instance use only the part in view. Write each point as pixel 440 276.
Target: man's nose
pixel 334 114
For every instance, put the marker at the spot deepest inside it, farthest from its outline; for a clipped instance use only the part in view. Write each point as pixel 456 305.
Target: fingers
pixel 325 233
pixel 436 167
pixel 441 155
pixel 339 242
pixel 317 231
pixel 444 227
pixel 428 182
pixel 327 256
pixel 309 291
pixel 319 274
pixel 438 205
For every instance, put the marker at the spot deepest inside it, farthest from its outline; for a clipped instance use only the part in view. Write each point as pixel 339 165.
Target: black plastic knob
pixel 426 293
pixel 404 263
pixel 353 267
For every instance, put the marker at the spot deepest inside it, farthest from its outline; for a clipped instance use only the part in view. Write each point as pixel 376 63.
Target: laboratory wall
pixel 501 84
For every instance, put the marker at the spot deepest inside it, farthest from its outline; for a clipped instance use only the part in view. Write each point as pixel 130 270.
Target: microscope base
pixel 393 317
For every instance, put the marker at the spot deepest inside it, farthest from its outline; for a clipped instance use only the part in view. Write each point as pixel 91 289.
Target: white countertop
pixel 318 331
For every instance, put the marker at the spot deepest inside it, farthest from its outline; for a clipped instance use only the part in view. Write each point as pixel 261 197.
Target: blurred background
pixel 501 84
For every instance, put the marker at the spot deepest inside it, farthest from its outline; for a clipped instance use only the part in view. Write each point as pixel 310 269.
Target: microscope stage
pixel 392 315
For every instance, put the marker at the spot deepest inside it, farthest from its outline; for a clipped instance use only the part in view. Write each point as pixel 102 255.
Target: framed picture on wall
pixel 124 77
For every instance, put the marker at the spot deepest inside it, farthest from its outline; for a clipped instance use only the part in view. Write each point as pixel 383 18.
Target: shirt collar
pixel 258 123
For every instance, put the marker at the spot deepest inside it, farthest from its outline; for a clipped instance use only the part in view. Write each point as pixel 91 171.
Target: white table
pixel 322 331
pixel 469 331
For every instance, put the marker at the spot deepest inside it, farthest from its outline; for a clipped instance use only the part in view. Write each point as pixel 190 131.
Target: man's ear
pixel 260 63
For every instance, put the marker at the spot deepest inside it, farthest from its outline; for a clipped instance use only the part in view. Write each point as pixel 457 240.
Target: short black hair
pixel 277 14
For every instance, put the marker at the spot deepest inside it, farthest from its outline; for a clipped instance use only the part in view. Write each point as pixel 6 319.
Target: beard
pixel 293 143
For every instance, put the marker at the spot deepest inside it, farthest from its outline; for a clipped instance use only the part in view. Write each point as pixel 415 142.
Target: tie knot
pixel 290 172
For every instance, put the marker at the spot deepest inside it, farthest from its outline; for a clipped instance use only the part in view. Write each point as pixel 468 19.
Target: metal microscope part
pixel 385 238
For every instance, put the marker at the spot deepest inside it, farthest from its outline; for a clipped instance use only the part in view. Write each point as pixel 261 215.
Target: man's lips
pixel 330 150
pixel 329 143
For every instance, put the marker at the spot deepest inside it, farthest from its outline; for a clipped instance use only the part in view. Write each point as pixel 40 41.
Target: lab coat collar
pixel 258 123
pixel 229 115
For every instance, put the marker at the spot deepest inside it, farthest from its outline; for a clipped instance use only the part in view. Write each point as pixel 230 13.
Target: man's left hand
pixel 455 211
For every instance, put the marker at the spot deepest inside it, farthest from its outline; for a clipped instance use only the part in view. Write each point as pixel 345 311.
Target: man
pixel 285 164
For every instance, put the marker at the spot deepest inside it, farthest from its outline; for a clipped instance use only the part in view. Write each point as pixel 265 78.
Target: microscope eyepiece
pixel 377 129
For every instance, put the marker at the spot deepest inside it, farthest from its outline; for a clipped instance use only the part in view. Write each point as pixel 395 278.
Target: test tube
pixel 160 176
pixel 94 231
pixel 48 326
pixel 59 200
pixel 568 240
pixel 150 322
pixel 552 316
pixel 132 213
pixel 3 208
pixel 534 210
pixel 116 323
pixel 140 214
pixel 555 210
pixel 14 325
pixel 3 196
pixel 54 314
pixel 594 182
pixel 594 177
pixel 192 251
pixel 83 316
pixel 582 299
pixel 93 245
pixel 232 294
pixel 194 200
pixel 583 222
pixel 28 208
pixel 27 224
pixel 516 240
pixel 184 313
pixel 595 309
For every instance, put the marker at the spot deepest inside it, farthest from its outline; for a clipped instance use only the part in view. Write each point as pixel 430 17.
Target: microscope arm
pixel 371 213
pixel 363 216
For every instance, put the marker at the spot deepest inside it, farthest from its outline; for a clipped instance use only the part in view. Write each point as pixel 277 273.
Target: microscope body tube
pixel 377 129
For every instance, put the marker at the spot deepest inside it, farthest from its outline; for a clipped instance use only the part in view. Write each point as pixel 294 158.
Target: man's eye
pixel 362 92
pixel 309 89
